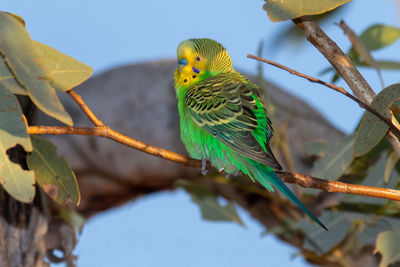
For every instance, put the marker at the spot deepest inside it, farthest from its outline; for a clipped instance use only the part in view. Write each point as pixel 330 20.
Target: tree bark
pixel 28 232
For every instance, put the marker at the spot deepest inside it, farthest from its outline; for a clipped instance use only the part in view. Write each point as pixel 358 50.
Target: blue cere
pixel 182 61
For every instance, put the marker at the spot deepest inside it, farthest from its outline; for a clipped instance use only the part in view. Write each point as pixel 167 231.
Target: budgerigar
pixel 222 116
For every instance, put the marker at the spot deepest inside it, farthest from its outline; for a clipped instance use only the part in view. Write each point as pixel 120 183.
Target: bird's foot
pixel 227 175
pixel 222 171
pixel 204 166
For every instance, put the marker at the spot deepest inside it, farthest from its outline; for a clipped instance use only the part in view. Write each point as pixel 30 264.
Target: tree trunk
pixel 23 228
pixel 28 232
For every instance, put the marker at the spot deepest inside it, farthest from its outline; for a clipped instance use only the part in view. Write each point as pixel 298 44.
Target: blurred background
pixel 166 229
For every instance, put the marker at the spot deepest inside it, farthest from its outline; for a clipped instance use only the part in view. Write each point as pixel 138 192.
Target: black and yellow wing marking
pixel 224 105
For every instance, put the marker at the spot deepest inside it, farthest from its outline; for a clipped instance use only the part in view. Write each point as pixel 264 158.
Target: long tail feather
pixel 266 174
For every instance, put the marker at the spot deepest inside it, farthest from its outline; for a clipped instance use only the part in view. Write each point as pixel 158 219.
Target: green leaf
pixel 321 241
pixel 382 64
pixel 290 34
pixel 280 10
pixel 373 178
pixel 326 70
pixel 18 18
pixel 360 47
pixel 375 225
pixel 316 147
pixel 52 172
pixel 336 161
pixel 16 181
pixel 73 218
pixel 12 124
pixel 335 77
pixel 372 129
pixel 352 54
pixel 63 71
pixel 359 167
pixel 362 50
pixel 390 164
pixel 7 80
pixel 387 244
pixel 211 209
pixel 21 58
pixel 378 36
pixel 373 38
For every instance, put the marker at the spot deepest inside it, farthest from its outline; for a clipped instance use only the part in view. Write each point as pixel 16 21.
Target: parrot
pixel 223 118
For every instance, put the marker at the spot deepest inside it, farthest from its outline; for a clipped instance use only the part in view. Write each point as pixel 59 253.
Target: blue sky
pixel 166 229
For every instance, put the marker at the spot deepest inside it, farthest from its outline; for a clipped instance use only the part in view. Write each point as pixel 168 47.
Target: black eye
pixel 198 58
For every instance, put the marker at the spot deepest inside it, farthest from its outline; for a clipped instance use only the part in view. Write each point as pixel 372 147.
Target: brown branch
pixel 107 132
pixel 338 187
pixel 78 99
pixel 337 58
pixel 288 177
pixel 334 87
pixel 343 66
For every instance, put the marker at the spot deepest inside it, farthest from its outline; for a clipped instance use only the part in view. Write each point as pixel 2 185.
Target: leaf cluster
pixel 364 157
pixel 33 69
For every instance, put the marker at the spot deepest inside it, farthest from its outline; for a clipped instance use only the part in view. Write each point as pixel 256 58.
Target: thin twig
pixel 78 99
pixel 343 66
pixel 334 87
pixel 107 132
pixel 288 177
pixel 338 187
pixel 360 48
pixel 336 57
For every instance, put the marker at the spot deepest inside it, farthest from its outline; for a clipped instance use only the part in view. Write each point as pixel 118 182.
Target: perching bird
pixel 222 116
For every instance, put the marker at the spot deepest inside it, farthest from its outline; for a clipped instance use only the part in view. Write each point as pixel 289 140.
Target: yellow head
pixel 198 58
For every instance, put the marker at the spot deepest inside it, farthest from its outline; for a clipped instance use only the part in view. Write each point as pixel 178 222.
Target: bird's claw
pixel 204 167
